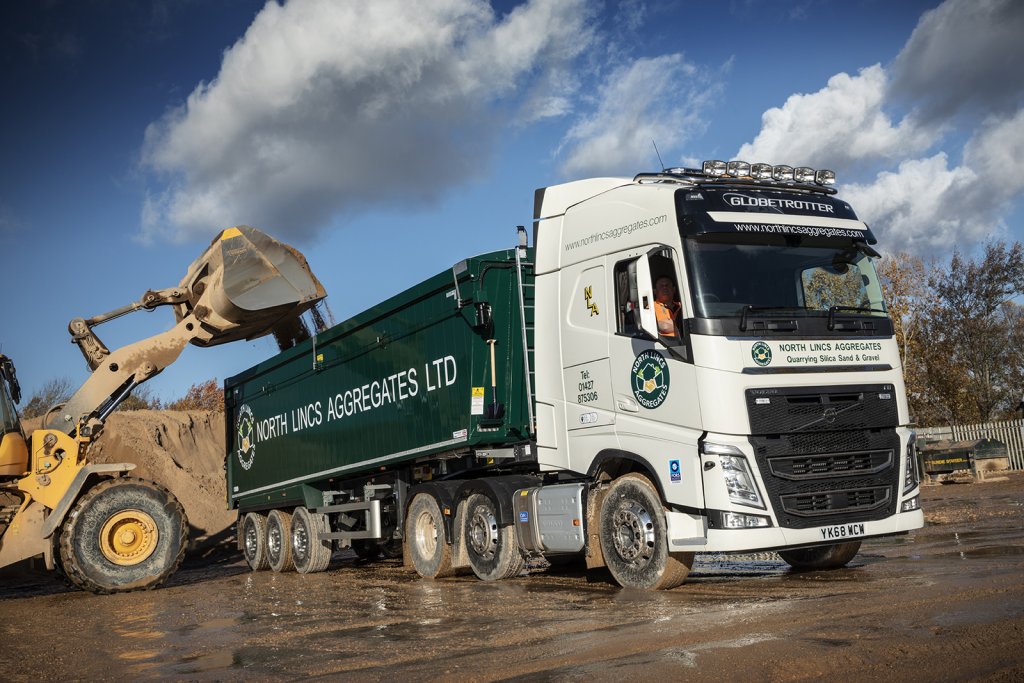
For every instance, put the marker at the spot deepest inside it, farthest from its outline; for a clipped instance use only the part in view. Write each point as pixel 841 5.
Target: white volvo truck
pixel 685 361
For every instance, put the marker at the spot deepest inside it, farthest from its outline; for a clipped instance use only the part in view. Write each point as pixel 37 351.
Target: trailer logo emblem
pixel 245 434
pixel 761 353
pixel 650 379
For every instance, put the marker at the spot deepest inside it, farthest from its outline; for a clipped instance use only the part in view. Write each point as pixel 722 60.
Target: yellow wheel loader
pixel 109 532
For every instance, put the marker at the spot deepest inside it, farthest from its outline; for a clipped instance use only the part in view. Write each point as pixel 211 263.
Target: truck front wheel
pixel 634 537
pixel 123 535
pixel 254 540
pixel 279 541
pixel 428 548
pixel 822 556
pixel 493 551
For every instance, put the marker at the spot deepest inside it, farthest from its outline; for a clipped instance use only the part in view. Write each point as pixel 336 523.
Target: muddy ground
pixel 945 603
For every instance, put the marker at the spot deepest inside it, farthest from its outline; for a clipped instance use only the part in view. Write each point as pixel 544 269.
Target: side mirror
pixel 645 294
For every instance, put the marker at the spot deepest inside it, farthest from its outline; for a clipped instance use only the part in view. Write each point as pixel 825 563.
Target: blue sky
pixel 388 140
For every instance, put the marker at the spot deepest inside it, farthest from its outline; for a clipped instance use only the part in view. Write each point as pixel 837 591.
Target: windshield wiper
pixel 758 309
pixel 856 309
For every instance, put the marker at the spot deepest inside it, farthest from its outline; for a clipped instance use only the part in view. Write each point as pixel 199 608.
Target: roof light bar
pixel 781 173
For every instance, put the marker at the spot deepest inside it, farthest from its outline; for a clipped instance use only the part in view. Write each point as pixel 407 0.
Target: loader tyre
pixel 123 535
pixel 254 540
pixel 279 545
pixel 428 547
pixel 492 550
pixel 822 556
pixel 634 537
pixel 309 553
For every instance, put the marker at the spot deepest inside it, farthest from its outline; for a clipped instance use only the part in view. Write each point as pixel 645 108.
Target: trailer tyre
pixel 123 535
pixel 634 537
pixel 279 545
pixel 254 540
pixel 822 556
pixel 429 550
pixel 492 550
pixel 308 552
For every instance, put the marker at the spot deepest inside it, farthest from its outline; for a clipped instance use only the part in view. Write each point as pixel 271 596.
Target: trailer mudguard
pixel 501 490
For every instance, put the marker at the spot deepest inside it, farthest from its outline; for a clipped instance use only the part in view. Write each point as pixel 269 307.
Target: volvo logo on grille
pixel 829 415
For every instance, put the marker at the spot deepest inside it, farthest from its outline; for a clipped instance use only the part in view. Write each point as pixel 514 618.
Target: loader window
pixel 8 416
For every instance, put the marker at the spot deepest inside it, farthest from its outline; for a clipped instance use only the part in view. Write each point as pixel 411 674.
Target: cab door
pixel 657 414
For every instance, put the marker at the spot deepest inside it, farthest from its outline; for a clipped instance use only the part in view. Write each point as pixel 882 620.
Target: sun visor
pixel 767 212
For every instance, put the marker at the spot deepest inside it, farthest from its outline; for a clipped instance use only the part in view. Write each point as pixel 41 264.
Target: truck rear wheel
pixel 493 551
pixel 822 556
pixel 123 535
pixel 429 550
pixel 254 540
pixel 634 537
pixel 309 553
pixel 279 541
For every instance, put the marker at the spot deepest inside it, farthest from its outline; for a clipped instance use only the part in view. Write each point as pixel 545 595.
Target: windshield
pixel 780 274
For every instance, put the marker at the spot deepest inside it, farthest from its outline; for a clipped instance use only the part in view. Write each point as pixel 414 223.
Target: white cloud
pixel 841 125
pixel 963 54
pixel 327 107
pixel 926 206
pixel 660 99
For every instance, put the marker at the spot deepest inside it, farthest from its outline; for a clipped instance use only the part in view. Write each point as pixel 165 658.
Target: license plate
pixel 841 531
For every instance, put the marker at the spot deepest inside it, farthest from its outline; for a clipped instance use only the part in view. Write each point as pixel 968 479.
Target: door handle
pixel 628 405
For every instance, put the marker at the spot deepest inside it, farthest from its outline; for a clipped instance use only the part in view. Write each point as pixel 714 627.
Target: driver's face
pixel 664 290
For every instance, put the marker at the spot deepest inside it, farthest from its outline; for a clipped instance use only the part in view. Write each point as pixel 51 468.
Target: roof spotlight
pixel 738 169
pixel 825 177
pixel 761 171
pixel 782 173
pixel 714 168
pixel 803 174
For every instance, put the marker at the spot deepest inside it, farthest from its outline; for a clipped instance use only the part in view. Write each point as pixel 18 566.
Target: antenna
pixel 658 153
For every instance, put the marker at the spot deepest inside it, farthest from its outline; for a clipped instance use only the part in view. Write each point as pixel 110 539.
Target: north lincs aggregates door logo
pixel 761 353
pixel 245 437
pixel 650 379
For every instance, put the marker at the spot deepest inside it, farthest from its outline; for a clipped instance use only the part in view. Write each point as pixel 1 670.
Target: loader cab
pixel 13 449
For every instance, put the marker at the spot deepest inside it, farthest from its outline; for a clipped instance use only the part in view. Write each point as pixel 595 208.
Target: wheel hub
pixel 300 541
pixel 128 537
pixel 483 533
pixel 251 540
pixel 426 534
pixel 634 534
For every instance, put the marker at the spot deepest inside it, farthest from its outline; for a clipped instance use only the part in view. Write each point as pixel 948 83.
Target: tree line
pixel 208 395
pixel 960 333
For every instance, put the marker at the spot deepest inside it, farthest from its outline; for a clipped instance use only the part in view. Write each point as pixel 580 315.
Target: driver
pixel 666 306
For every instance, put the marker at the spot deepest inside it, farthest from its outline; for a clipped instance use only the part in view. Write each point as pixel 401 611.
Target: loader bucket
pixel 247 284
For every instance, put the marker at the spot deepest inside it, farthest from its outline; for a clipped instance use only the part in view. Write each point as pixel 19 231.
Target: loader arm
pixel 245 285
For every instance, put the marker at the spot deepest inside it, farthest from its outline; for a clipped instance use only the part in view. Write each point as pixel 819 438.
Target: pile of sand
pixel 181 450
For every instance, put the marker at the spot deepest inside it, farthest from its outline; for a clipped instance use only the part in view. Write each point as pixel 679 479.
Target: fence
pixel 1010 433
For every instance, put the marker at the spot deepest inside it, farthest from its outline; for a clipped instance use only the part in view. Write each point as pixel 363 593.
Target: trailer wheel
pixel 429 550
pixel 279 546
pixel 493 551
pixel 123 535
pixel 308 552
pixel 822 556
pixel 634 537
pixel 254 540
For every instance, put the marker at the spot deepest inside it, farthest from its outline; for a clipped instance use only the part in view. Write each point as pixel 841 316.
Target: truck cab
pixel 765 403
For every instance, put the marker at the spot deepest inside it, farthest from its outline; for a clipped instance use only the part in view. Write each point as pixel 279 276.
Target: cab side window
pixel 647 298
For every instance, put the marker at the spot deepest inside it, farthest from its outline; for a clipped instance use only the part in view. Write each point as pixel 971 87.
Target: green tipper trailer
pixel 431 383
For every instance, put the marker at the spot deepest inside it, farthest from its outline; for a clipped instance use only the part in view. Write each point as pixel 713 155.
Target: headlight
pixel 739 480
pixel 912 477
